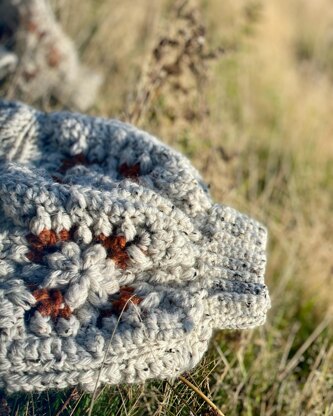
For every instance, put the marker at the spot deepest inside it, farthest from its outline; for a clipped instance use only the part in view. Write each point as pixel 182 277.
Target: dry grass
pixel 257 122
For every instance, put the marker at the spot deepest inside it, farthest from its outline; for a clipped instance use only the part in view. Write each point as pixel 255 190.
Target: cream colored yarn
pixel 115 264
pixel 42 57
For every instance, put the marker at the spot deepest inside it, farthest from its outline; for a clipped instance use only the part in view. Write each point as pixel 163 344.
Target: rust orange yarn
pixel 51 303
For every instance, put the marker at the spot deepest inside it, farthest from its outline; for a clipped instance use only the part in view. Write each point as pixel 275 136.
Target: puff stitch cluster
pixel 115 264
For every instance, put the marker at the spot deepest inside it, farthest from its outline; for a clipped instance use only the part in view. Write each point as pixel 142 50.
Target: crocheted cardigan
pixel 115 264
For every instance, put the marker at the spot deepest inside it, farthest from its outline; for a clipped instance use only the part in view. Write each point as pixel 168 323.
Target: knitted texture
pixel 42 57
pixel 115 264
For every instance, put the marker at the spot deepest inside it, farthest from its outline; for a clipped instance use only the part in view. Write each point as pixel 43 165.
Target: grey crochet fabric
pixel 42 57
pixel 115 264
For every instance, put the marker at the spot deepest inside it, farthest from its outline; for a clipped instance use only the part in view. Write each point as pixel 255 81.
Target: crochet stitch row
pixel 115 264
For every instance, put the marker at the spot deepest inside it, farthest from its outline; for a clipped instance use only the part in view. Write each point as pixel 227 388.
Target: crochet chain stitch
pixel 109 237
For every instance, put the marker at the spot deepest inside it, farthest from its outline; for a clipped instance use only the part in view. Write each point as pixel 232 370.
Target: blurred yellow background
pixel 251 104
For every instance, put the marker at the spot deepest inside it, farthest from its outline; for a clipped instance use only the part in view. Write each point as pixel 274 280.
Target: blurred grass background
pixel 245 90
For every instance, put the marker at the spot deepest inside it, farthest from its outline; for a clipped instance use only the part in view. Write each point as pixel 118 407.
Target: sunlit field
pixel 245 90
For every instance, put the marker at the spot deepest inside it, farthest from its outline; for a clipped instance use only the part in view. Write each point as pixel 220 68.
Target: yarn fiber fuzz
pixel 115 264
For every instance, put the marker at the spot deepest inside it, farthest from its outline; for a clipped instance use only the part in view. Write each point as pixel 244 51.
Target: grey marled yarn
pixel 115 264
pixel 43 59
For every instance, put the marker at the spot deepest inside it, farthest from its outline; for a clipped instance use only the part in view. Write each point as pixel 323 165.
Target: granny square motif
pixel 115 264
